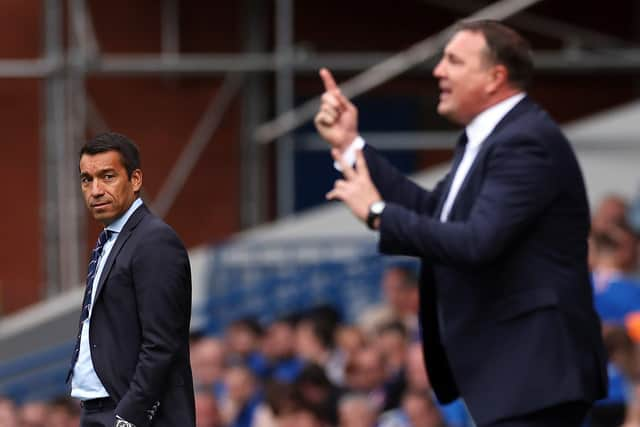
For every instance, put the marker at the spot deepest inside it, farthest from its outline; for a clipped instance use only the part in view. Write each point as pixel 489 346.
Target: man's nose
pixel 96 187
pixel 438 70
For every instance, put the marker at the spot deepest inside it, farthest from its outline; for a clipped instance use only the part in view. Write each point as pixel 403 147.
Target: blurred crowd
pixel 59 412
pixel 311 369
pixel 615 272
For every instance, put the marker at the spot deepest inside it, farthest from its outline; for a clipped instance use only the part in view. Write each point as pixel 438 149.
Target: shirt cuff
pixel 349 155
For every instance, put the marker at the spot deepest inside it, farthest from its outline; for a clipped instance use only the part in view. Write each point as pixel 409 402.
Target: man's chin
pixel 102 216
pixel 445 111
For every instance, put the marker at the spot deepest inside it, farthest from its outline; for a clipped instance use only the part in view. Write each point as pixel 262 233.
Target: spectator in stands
pixel 207 363
pixel 357 410
pixel 243 340
pixel 350 338
pixel 207 413
pixel 242 397
pixel 34 414
pixel 505 290
pixel 455 414
pixel 285 407
pixel 303 417
pixel 279 351
pixel 8 413
pixel 392 342
pixel 279 399
pixel 401 302
pixel 421 410
pixel 624 366
pixel 611 210
pixel 315 344
pixel 318 393
pixel 366 375
pixel 632 415
pixel 616 292
pixel 64 412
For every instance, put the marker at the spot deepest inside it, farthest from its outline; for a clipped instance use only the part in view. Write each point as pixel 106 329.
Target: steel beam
pixel 53 138
pixel 170 27
pixel 617 61
pixel 255 105
pixel 208 124
pixel 384 71
pixel 419 140
pixel 285 151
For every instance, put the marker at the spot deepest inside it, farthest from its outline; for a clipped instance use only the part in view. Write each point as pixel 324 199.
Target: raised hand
pixel 337 119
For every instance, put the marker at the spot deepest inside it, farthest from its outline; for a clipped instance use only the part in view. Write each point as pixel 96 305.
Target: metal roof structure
pixel 69 110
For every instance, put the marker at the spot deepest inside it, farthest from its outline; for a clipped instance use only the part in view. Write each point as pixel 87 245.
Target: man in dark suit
pixel 131 366
pixel 506 307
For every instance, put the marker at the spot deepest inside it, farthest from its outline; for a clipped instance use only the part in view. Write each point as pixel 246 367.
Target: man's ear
pixel 136 179
pixel 498 76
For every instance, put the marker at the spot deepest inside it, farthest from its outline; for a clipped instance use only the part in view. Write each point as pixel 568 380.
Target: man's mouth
pixel 99 205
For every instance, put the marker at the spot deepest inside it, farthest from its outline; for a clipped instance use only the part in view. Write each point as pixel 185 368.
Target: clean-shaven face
pixel 107 189
pixel 463 74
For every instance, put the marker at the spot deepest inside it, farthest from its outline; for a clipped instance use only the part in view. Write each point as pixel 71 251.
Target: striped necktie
pixel 86 303
pixel 91 274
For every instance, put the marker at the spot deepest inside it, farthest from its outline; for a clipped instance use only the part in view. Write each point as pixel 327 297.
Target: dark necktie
pixel 86 303
pixel 457 158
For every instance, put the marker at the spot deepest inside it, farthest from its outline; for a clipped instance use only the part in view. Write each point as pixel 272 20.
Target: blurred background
pixel 219 97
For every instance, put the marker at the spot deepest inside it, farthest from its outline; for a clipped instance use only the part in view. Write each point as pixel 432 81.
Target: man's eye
pixel 84 180
pixel 108 176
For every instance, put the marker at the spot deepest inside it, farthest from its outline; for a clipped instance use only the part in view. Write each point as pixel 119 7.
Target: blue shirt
pixel 85 383
pixel 615 297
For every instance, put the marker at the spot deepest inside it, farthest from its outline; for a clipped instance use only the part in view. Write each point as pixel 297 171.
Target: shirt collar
pixel 484 123
pixel 117 225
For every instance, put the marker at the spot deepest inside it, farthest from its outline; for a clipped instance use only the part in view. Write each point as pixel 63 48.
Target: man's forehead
pixel 466 41
pixel 101 161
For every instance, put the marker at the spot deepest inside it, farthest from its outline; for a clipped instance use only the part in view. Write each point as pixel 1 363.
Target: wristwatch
pixel 375 210
pixel 122 423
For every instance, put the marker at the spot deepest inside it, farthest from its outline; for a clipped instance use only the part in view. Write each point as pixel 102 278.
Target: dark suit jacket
pixel 506 305
pixel 139 330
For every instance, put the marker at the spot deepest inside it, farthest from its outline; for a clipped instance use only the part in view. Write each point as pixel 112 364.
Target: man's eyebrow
pixel 100 172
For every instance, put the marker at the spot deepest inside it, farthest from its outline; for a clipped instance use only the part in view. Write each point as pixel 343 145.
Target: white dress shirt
pixel 85 383
pixel 477 131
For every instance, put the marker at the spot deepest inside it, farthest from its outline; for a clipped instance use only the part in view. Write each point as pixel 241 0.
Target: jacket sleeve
pixel 162 280
pixel 518 184
pixel 395 187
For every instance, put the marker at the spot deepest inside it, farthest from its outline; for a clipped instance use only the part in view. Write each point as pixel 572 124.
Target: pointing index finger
pixel 327 79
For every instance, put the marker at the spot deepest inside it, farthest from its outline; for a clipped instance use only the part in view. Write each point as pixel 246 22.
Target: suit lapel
pixel 521 107
pixel 123 236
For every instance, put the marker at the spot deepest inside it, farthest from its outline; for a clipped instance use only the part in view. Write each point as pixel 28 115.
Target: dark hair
pixel 250 324
pixel 505 47
pixel 604 242
pixel 313 374
pixel 111 141
pixel 321 328
pixel 409 277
